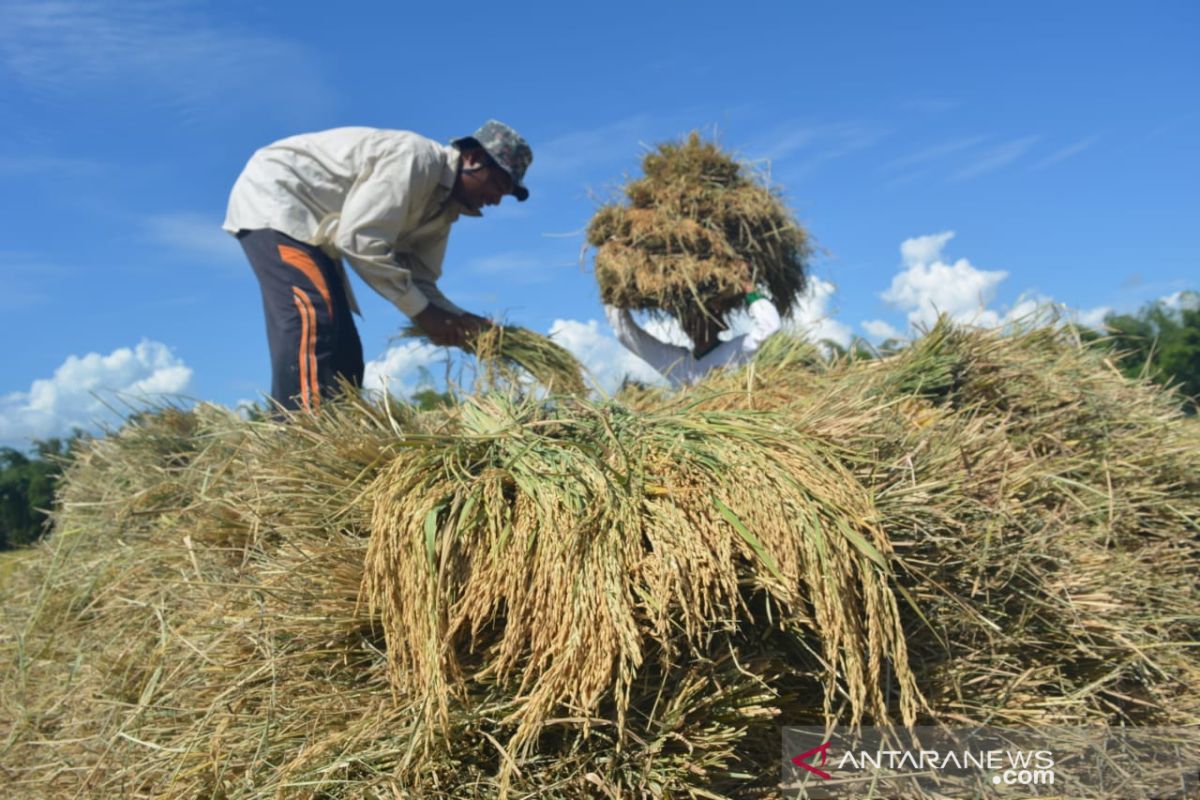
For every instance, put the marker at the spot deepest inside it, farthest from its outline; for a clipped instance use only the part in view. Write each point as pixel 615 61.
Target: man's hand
pixel 449 330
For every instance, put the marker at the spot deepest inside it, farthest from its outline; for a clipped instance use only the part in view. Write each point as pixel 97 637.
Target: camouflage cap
pixel 507 148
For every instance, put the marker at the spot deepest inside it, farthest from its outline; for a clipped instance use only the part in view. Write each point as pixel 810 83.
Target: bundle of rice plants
pixel 695 229
pixel 505 351
pixel 558 544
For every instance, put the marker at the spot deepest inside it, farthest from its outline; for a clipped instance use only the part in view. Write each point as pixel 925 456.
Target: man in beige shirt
pixel 384 201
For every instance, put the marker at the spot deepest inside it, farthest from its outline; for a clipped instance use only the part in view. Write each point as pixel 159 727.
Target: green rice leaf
pixel 749 537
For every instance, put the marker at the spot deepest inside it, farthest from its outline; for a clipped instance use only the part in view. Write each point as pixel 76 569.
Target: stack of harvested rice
pixel 603 600
pixel 697 227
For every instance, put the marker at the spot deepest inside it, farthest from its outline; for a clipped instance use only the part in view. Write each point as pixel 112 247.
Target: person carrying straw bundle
pixel 696 240
pixel 684 367
pixel 383 200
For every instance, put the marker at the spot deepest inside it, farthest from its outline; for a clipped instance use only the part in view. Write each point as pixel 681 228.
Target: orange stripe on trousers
pixel 305 399
pixel 312 354
pixel 303 262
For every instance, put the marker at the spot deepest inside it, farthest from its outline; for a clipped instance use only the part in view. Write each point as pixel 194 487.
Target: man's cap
pixel 507 148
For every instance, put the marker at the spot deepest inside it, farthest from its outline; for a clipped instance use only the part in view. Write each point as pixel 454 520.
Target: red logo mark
pixel 823 749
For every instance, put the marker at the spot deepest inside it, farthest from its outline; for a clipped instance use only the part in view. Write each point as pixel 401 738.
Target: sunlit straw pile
pixel 694 229
pixel 619 599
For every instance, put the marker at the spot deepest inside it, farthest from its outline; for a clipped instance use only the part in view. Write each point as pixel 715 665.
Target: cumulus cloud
pixel 928 285
pixel 605 358
pixel 879 330
pixel 812 317
pixel 82 387
pixel 1093 317
pixel 403 369
pixel 1182 301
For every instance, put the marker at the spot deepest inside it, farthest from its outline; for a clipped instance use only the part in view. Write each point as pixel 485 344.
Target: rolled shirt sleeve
pixel 670 360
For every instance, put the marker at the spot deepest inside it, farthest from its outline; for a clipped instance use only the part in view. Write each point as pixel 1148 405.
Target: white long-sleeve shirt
pixel 678 364
pixel 379 198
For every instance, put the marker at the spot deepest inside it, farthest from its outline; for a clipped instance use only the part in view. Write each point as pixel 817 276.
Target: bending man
pixel 383 200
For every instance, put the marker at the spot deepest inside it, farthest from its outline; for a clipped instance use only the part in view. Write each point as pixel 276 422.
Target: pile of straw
pixel 608 599
pixel 697 227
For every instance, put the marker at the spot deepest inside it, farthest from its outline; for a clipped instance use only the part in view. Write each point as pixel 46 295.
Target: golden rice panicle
pixel 577 531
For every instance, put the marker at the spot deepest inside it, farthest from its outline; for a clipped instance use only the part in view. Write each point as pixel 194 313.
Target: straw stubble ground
pixel 617 599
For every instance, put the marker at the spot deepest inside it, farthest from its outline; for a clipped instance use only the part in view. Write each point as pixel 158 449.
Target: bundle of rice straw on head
pixel 697 228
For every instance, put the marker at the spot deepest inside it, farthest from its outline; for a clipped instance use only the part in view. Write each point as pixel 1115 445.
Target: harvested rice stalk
pixel 591 532
pixel 697 226
pixel 503 349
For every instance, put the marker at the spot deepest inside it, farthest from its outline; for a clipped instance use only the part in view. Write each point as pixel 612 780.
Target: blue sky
pixel 957 154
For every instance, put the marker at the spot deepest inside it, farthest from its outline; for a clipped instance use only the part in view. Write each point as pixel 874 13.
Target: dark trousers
pixel 310 330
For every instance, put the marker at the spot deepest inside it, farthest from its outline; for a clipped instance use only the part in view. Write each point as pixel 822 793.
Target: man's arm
pixel 764 323
pixel 445 322
pixel 660 355
pixel 434 295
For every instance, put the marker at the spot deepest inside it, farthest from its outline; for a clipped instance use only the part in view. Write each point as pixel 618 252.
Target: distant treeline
pixel 27 489
pixel 1160 342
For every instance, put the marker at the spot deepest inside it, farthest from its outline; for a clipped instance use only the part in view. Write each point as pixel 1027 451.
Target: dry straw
pixel 620 599
pixel 695 228
pixel 506 352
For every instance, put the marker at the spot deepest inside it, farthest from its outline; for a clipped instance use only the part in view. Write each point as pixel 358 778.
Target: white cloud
pixel 996 158
pixel 196 236
pixel 924 249
pixel 605 358
pixel 167 51
pixel 1030 306
pixel 813 315
pixel 1182 301
pixel 928 285
pixel 82 386
pixel 1093 317
pixel 880 330
pixel 403 369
